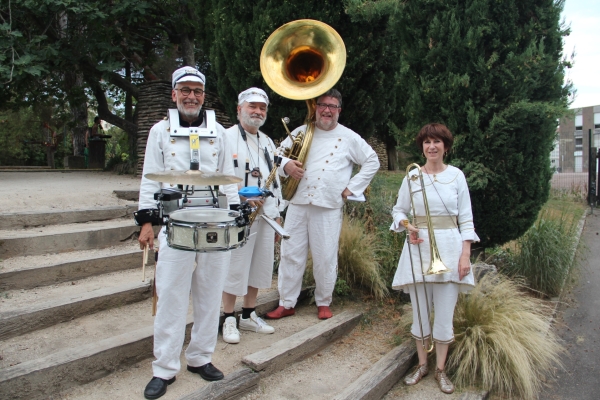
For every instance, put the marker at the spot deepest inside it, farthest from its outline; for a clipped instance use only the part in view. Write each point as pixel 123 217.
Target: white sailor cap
pixel 253 95
pixel 188 74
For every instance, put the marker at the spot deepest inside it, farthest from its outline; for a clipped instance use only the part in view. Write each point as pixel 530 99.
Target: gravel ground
pixel 58 190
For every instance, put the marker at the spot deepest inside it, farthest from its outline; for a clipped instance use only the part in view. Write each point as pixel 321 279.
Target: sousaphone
pixel 301 60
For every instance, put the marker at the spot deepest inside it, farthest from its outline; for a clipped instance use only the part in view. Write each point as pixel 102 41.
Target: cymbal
pixel 193 177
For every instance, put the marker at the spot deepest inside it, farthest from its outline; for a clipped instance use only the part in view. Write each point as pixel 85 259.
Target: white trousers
pixel 178 272
pixel 318 228
pixel 252 264
pixel 444 297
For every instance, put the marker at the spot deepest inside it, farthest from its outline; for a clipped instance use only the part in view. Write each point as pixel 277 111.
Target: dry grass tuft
pixel 503 339
pixel 357 260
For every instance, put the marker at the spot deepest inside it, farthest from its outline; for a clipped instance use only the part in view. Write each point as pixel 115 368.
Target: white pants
pixel 252 264
pixel 443 296
pixel 176 274
pixel 318 228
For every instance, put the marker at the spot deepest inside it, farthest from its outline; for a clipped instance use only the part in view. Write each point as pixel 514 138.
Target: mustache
pixel 256 116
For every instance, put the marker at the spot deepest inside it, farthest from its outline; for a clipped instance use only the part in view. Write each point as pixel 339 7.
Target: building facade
pixel 571 153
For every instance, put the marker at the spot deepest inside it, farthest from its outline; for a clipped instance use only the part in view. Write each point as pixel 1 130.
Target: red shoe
pixel 324 312
pixel 280 312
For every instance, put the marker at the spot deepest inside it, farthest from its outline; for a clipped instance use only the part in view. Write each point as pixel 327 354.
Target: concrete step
pixel 28 272
pixel 64 238
pixel 67 355
pixel 61 217
pixel 29 310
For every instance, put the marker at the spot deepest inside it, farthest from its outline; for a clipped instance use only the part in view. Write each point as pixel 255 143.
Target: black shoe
pixel 157 387
pixel 208 372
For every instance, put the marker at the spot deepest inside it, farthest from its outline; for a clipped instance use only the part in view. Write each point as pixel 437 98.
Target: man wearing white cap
pixel 314 216
pixel 251 266
pixel 178 272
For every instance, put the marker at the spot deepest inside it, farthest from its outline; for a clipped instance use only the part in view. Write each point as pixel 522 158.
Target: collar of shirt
pixel 197 122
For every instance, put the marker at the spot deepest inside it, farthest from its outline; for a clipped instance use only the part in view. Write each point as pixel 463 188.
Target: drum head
pixel 206 215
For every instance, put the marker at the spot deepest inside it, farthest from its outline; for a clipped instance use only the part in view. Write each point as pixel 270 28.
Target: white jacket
pixel 240 149
pixel 328 167
pixel 164 153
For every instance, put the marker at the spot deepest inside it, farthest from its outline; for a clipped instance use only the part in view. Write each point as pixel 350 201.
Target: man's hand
pixel 146 236
pixel 346 193
pixel 294 169
pixel 256 203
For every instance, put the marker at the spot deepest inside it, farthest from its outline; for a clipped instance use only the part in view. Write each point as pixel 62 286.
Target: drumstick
pixel 154 294
pixel 144 261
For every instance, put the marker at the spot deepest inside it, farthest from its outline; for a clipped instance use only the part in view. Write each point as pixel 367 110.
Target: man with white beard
pixel 251 266
pixel 177 271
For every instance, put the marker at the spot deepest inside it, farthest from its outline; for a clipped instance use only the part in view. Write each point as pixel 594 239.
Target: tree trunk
pixel 153 102
pixel 392 154
pixel 74 80
pixel 187 50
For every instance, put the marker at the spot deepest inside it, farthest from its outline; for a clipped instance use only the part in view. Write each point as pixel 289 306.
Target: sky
pixel 583 16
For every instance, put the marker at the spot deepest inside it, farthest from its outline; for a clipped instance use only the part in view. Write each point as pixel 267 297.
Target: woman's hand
pixel 464 266
pixel 413 234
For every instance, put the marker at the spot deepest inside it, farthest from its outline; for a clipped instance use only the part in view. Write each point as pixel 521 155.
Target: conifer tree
pixel 493 72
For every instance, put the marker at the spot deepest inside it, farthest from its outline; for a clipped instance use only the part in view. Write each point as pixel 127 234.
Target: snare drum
pixel 205 230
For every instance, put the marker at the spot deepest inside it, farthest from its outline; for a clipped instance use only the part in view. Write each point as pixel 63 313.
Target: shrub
pixel 544 254
pixel 503 340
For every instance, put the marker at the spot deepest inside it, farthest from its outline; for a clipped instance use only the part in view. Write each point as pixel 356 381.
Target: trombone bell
pixel 437 267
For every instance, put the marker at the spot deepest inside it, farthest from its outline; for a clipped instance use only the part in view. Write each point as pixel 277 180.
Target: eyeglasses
pixel 332 107
pixel 186 91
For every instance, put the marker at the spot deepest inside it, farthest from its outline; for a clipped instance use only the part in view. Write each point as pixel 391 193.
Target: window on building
pixel 596 120
pixel 578 143
pixel 579 122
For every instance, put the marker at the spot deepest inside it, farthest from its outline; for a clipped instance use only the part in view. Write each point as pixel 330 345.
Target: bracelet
pixel 405 223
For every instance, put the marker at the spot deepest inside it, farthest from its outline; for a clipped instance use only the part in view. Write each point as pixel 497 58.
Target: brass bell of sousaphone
pixel 301 60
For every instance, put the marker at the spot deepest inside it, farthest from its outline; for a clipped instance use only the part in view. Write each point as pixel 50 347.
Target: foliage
pixel 493 72
pixel 241 28
pixel 357 262
pixel 543 256
pixel 22 137
pixel 503 339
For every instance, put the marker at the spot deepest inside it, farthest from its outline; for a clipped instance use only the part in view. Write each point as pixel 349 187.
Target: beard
pixel 191 114
pixel 327 125
pixel 253 120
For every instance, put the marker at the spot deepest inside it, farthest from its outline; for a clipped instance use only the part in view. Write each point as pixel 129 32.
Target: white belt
pixel 438 221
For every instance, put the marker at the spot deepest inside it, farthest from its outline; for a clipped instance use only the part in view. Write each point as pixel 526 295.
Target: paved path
pixel 580 327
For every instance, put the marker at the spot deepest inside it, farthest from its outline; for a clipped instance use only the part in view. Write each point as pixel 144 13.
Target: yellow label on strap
pixel 194 142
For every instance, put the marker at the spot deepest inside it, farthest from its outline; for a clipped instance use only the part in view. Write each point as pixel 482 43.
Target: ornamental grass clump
pixel 357 259
pixel 504 339
pixel 544 254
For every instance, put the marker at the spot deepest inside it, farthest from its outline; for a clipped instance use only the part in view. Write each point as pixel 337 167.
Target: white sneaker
pixel 255 324
pixel 230 332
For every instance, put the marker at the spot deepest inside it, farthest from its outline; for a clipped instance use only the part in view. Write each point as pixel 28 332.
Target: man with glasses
pixel 314 215
pixel 178 272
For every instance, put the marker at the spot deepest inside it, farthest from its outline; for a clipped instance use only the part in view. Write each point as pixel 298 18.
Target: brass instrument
pixel 301 60
pixel 436 266
pixel 268 182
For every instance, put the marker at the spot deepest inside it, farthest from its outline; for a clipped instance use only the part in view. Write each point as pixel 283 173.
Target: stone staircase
pixel 75 323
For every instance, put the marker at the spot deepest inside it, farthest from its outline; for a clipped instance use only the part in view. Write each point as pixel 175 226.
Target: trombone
pixel 436 266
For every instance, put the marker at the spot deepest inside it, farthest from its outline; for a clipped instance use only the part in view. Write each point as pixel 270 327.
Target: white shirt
pixel 166 153
pixel 447 194
pixel 328 167
pixel 250 150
